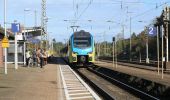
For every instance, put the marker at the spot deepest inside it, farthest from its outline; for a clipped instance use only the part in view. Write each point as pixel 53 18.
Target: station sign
pixel 5 42
pixel 152 31
pixel 15 27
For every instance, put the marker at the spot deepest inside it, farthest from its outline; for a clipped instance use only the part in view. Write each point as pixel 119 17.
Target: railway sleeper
pixel 155 89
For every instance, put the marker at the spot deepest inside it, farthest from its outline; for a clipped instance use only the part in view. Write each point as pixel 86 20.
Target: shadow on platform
pixel 56 60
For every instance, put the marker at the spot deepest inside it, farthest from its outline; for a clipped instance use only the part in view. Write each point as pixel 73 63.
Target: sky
pixel 102 18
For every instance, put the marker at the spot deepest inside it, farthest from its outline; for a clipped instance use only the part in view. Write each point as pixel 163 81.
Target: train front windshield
pixel 82 42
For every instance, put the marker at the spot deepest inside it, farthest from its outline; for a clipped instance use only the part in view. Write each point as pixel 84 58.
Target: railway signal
pixel 113 39
pixel 114 52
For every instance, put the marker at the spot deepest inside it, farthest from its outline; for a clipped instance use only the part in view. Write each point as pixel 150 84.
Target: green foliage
pixel 123 47
pixel 58 46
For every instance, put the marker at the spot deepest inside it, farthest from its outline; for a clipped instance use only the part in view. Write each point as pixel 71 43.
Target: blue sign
pixel 152 31
pixel 15 27
pixel 35 41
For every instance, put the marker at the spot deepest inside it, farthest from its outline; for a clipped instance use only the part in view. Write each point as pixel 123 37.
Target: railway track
pixel 116 85
pixel 111 88
pixel 152 67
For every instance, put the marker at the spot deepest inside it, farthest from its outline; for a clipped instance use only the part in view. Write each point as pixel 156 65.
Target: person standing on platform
pixel 45 56
pixel 38 56
pixel 27 57
pixel 41 58
pixel 34 56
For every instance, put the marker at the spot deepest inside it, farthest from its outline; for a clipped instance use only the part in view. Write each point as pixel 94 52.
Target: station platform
pixel 33 83
pixel 138 72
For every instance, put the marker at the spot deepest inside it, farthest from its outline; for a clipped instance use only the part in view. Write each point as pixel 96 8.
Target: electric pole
pixel 43 22
pixel 166 23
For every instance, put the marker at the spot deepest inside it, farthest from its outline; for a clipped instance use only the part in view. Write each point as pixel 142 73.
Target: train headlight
pixel 74 54
pixel 74 59
pixel 90 58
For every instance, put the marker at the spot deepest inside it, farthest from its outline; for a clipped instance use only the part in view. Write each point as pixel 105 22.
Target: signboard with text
pixel 15 27
pixel 152 31
pixel 5 42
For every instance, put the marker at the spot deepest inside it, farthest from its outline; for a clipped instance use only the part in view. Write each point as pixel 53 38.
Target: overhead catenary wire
pixel 145 12
pixel 132 2
pixel 149 10
pixel 84 10
pixel 119 2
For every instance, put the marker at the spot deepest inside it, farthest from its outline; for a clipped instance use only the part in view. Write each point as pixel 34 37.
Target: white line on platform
pixel 79 94
pixel 90 90
pixel 84 97
pixel 77 91
pixel 64 84
pixel 73 84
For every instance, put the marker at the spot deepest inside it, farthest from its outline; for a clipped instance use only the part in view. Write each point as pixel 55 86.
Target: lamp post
pixel 5 49
pixel 146 32
pixel 25 10
pixel 147 51
pixel 130 30
pixel 130 39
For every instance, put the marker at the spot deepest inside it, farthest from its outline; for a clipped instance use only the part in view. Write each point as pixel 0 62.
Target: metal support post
pixel 43 22
pixel 16 52
pixel 130 41
pixel 167 47
pixel 24 51
pixel 5 49
pixel 167 19
pixel 147 58
pixel 113 53
pixel 123 48
pixel 99 50
pixel 158 47
pixel 104 44
pixel 24 39
pixel 162 52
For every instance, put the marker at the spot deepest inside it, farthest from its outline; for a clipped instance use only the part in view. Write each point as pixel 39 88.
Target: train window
pixel 80 42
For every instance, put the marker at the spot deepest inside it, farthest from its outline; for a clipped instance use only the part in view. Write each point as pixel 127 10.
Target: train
pixel 81 48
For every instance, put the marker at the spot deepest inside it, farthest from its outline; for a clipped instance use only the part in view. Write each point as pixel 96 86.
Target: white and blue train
pixel 81 49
